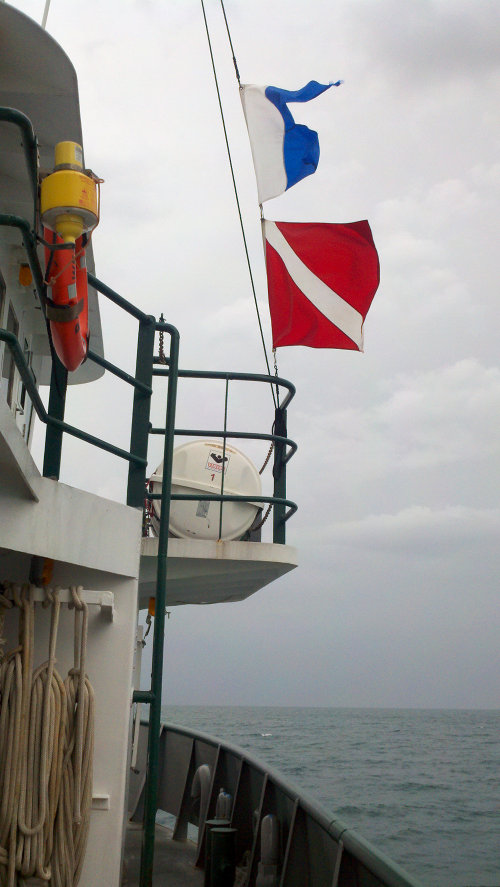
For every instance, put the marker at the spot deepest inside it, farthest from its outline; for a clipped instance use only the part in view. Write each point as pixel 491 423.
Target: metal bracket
pixel 100 801
pixel 103 599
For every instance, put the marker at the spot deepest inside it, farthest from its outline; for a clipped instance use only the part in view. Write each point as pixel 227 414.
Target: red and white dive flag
pixel 321 282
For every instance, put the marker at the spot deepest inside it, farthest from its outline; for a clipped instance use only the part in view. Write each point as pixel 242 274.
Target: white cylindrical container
pixel 199 467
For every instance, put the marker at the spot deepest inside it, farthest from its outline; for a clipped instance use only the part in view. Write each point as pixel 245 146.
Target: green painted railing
pixel 52 422
pixel 30 148
pixel 284 447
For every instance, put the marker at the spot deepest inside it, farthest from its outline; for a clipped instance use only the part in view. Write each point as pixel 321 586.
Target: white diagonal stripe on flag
pixel 326 300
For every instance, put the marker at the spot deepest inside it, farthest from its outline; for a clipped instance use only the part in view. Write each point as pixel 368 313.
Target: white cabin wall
pixel 94 543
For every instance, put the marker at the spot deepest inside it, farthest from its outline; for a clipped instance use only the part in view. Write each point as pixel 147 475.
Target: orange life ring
pixel 67 307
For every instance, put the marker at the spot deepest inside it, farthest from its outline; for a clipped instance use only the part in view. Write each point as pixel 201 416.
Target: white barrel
pixel 200 466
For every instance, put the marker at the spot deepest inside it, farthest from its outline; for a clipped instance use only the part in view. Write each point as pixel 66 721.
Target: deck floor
pixel 173 860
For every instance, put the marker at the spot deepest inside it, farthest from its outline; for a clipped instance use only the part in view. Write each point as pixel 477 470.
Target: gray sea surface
pixel 421 785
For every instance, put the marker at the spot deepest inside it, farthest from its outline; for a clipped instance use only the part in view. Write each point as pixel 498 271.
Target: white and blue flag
pixel 284 152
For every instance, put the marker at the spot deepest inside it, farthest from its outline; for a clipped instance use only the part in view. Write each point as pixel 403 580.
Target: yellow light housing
pixel 68 155
pixel 68 197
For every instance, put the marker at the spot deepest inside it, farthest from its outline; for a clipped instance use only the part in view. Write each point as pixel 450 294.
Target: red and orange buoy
pixel 69 210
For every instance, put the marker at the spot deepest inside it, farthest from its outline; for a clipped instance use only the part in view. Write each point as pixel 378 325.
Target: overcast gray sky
pixel 395 602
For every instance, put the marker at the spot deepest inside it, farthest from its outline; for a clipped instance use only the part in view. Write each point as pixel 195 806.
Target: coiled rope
pixel 46 750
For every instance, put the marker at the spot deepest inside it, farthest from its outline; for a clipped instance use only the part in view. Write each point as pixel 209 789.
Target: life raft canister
pixel 68 211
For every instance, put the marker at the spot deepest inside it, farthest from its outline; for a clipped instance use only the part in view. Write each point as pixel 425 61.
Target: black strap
pixel 63 313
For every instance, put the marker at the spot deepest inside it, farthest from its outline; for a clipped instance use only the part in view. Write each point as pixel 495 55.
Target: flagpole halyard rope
pixel 236 190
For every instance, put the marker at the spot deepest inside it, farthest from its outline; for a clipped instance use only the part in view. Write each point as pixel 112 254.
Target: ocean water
pixel 422 785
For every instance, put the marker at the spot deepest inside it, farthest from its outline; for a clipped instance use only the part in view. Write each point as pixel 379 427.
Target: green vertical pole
pixel 153 765
pixel 223 460
pixel 279 474
pixel 139 433
pixel 57 404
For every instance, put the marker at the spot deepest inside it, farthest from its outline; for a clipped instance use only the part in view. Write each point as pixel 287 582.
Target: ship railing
pixel 315 847
pixel 53 416
pixel 284 448
pixel 136 456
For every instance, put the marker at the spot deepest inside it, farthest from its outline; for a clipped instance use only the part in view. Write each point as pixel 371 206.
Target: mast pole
pixel 45 13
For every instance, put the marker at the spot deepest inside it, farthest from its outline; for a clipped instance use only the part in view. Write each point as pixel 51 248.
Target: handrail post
pixel 153 760
pixel 279 474
pixel 139 433
pixel 53 434
pixel 223 460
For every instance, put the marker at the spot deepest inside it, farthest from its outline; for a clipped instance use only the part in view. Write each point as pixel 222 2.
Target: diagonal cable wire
pixel 236 190
pixel 230 43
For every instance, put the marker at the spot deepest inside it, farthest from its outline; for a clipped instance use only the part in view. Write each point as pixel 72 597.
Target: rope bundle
pixel 46 751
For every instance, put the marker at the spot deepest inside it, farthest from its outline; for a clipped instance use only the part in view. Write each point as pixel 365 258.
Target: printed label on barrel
pixel 215 462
